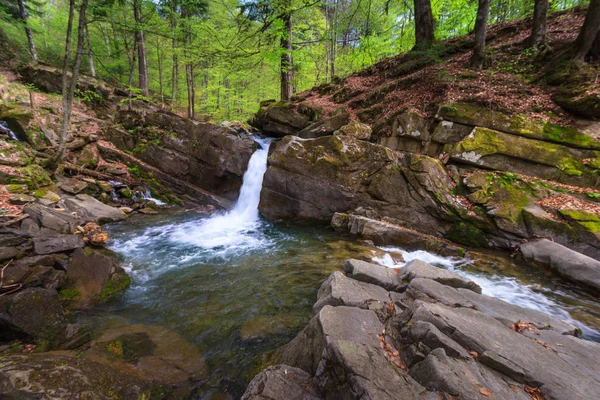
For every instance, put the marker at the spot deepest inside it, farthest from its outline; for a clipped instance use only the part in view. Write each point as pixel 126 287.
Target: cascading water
pixel 237 227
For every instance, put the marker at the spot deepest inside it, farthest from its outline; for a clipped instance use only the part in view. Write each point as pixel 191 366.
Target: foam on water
pixel 505 288
pixel 237 229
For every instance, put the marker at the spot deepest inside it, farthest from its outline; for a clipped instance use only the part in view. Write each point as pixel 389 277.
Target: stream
pixel 237 286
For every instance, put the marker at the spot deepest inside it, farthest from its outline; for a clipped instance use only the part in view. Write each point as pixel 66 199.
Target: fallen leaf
pixel 474 354
pixel 521 326
pixel 534 393
pixel 486 392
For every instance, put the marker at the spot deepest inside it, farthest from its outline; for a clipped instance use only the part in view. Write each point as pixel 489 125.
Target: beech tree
pixel 483 11
pixel 23 16
pixel 538 28
pixel 584 44
pixel 424 24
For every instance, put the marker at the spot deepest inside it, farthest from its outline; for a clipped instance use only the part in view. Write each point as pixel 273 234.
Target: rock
pixel 355 129
pixel 351 370
pixel 566 262
pixel 261 327
pixel 148 211
pixel 387 278
pixel 473 115
pixel 89 157
pixel 279 119
pixel 324 127
pixel 73 186
pixel 13 155
pixel 150 353
pixel 56 244
pixel 330 324
pixel 282 382
pixel 46 197
pixel 42 276
pixel 33 314
pixel 91 210
pixel 409 132
pixel 420 269
pixel 66 376
pixel 125 193
pixel 21 199
pixel 496 150
pixel 104 186
pixel 338 290
pixel 90 274
pixel 126 210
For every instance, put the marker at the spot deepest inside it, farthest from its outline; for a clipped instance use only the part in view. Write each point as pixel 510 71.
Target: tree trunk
pixel 589 31
pixel 174 70
pixel 23 15
pixel 286 59
pixel 141 46
pixel 478 57
pixel 189 74
pixel 68 88
pixel 538 30
pixel 424 24
pixel 90 54
pixel 107 41
pixel 594 53
pixel 160 72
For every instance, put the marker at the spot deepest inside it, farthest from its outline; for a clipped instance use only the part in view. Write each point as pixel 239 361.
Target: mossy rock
pixel 466 234
pixel 581 103
pixel 34 176
pixel 473 115
pixel 117 284
pixel 588 220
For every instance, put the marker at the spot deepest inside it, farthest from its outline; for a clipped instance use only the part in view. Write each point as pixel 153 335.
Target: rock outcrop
pixel 435 337
pixel 209 156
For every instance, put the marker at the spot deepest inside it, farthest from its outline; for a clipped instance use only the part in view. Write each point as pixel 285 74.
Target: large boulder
pixel 65 376
pixel 89 209
pixel 58 220
pixel 566 262
pixel 282 380
pixel 56 244
pixel 310 180
pixel 33 315
pixel 325 126
pixel 279 119
pixel 209 156
pixel 409 132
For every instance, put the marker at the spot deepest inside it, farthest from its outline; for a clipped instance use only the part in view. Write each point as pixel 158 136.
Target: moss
pixel 115 286
pixel 34 176
pixel 466 234
pixel 69 294
pixel 482 142
pixel 590 221
pixel 17 188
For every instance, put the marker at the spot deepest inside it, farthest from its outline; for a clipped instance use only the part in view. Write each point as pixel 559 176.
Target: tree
pixel 23 17
pixel 424 24
pixel 538 29
pixel 478 57
pixel 141 48
pixel 588 33
pixel 68 86
pixel 286 63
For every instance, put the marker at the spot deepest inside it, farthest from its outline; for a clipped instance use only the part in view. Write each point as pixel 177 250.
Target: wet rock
pixel 149 352
pixel 33 314
pixel 91 210
pixel 568 263
pixel 387 278
pixel 324 127
pixel 148 210
pixel 126 210
pixel 420 269
pixel 104 186
pixel 73 186
pixel 56 244
pixel 261 327
pixel 338 290
pixel 90 275
pixel 65 376
pixel 282 381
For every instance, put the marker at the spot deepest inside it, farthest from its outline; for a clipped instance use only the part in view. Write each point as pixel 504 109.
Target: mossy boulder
pixel 355 129
pixel 280 119
pixel 497 150
pixel 33 176
pixel 473 115
pixel 89 157
pixel 15 154
pixel 588 220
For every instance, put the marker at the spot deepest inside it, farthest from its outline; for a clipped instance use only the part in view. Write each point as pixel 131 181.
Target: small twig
pixel 13 221
pixel 2 273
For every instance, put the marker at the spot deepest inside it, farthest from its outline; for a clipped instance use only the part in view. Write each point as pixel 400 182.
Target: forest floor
pixel 515 80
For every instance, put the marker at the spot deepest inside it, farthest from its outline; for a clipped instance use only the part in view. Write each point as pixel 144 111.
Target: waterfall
pixel 237 228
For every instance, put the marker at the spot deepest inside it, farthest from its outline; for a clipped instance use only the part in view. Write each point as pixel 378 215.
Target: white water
pixel 505 288
pixel 238 228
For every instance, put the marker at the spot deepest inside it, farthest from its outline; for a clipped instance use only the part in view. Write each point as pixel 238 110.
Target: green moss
pixel 115 286
pixel 69 294
pixel 590 221
pixel 466 234
pixel 34 176
pixel 482 142
pixel 17 188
